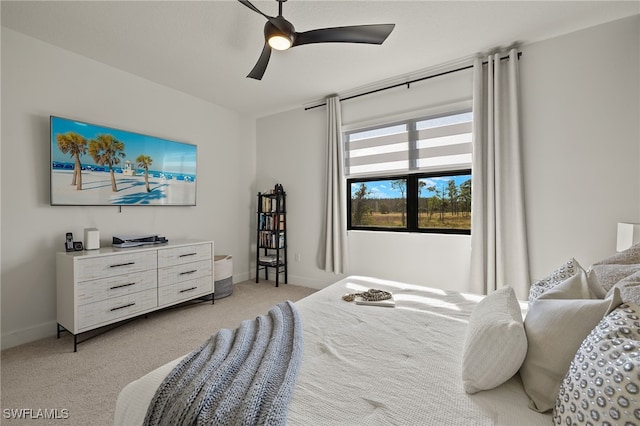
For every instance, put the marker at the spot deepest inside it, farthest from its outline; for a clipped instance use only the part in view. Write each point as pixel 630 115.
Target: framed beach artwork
pixel 93 165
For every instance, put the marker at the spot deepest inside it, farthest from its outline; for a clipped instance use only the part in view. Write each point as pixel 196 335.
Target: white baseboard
pixel 238 278
pixel 311 282
pixel 317 284
pixel 29 334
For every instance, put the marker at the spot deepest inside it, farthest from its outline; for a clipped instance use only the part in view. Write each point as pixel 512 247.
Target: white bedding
pixel 378 365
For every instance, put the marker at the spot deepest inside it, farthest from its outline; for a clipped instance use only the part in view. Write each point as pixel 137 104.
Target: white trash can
pixel 222 276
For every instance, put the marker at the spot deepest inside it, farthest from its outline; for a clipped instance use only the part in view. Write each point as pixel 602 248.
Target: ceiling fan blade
pixel 261 66
pixel 370 34
pixel 278 21
pixel 255 9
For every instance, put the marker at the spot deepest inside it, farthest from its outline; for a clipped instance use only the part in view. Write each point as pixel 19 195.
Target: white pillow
pixel 495 344
pixel 556 324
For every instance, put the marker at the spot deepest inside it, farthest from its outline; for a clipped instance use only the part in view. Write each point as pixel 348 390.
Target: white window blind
pixel 419 145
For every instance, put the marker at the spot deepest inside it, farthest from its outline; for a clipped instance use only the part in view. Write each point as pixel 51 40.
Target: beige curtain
pixel 499 255
pixel 335 224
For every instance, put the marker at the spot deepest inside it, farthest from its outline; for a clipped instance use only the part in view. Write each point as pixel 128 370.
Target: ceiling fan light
pixel 279 42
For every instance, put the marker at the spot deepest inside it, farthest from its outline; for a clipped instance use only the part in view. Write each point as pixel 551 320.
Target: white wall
pixel 39 80
pixel 290 151
pixel 580 109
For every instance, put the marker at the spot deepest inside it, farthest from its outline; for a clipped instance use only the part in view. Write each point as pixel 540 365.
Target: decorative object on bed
pixel 602 385
pixel 495 343
pixel 560 274
pixel 628 235
pixel 245 376
pixel 556 324
pixel 371 295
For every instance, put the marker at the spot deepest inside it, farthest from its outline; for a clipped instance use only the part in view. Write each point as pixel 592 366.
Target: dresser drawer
pixel 178 255
pixel 109 266
pixel 106 288
pixel 187 271
pixel 110 310
pixel 185 290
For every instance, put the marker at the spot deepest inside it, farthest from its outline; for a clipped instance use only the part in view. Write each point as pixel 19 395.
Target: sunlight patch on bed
pixel 472 297
pixel 356 287
pixel 451 317
pixel 414 298
pixel 390 285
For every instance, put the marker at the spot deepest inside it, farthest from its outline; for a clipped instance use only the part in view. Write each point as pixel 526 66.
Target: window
pixel 435 202
pixel 412 176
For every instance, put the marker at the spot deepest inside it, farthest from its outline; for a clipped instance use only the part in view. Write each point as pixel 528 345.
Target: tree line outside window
pixel 429 202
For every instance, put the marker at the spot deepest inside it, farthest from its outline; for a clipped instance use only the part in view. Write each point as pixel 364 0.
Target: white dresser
pixel 101 287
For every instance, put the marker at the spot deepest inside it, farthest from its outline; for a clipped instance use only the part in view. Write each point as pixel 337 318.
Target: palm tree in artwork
pixel 145 161
pixel 107 150
pixel 75 145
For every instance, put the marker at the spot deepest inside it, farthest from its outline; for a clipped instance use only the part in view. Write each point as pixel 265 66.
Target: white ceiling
pixel 206 48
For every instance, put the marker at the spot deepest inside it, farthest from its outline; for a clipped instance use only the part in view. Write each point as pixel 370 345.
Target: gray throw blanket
pixel 240 377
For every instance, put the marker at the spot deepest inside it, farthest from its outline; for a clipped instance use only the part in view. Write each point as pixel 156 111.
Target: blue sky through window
pixel 384 189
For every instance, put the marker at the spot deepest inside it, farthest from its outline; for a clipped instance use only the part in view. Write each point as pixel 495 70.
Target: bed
pixel 378 365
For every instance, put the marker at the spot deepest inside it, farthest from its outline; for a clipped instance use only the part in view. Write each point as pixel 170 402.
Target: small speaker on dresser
pixel 91 239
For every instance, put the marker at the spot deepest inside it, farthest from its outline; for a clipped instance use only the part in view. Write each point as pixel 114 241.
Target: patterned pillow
pixel 564 271
pixel 602 385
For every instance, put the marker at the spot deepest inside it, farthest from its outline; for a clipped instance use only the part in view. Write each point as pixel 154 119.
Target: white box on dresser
pixel 109 285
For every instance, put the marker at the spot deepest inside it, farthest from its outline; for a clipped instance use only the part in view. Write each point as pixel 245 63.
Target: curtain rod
pixel 407 83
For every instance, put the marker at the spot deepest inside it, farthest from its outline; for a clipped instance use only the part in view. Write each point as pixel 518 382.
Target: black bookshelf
pixel 271 237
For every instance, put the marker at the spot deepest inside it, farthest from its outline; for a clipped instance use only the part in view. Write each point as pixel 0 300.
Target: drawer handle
pixel 122 307
pixel 121 285
pixel 188 272
pixel 187 289
pixel 188 254
pixel 117 265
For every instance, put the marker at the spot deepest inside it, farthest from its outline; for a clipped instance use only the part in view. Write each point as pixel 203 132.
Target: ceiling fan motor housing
pixel 279 27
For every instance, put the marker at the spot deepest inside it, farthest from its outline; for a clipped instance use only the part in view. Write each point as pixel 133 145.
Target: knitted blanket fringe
pixel 240 377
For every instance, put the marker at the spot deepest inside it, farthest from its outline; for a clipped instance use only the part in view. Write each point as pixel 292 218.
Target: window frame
pixel 412 196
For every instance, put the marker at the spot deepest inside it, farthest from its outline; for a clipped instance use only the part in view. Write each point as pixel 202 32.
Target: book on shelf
pixel 387 302
pixel 271 223
pixel 270 239
pixel 270 204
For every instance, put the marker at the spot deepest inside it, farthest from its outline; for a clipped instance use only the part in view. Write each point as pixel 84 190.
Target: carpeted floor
pixel 81 388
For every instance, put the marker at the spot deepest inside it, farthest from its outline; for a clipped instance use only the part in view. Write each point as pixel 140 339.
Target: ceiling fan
pixel 280 34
